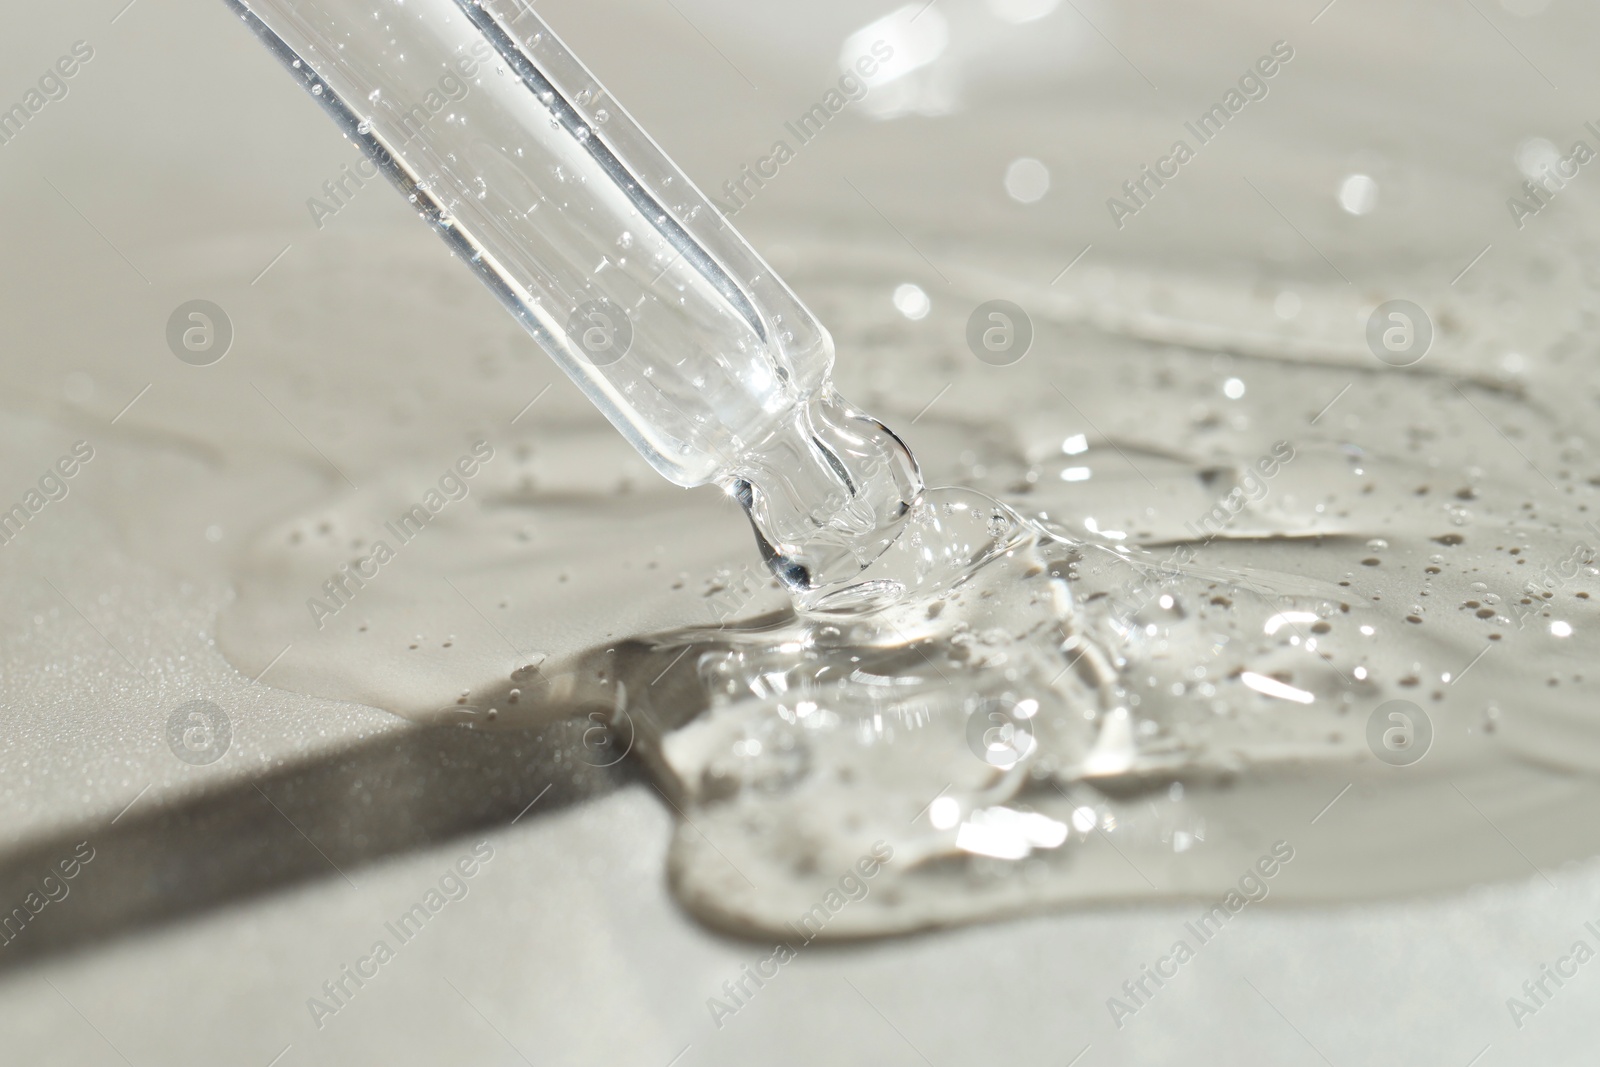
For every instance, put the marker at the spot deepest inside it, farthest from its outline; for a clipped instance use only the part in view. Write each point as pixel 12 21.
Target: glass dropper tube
pixel 626 275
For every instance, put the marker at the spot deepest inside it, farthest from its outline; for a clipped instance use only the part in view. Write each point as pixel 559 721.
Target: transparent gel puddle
pixel 1084 694
pixel 1034 733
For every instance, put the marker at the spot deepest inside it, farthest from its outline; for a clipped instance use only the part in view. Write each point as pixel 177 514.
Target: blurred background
pixel 178 163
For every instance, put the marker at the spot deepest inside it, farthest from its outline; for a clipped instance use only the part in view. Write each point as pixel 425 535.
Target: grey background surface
pixel 222 897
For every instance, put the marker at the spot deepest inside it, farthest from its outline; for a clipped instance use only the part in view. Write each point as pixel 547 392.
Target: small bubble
pixel 1027 180
pixel 1358 194
pixel 911 301
pixel 1534 155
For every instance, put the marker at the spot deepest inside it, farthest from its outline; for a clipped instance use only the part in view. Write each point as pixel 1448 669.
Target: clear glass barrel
pixel 611 258
pixel 569 212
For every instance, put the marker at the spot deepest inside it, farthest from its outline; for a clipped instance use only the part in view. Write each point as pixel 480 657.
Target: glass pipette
pixel 631 280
